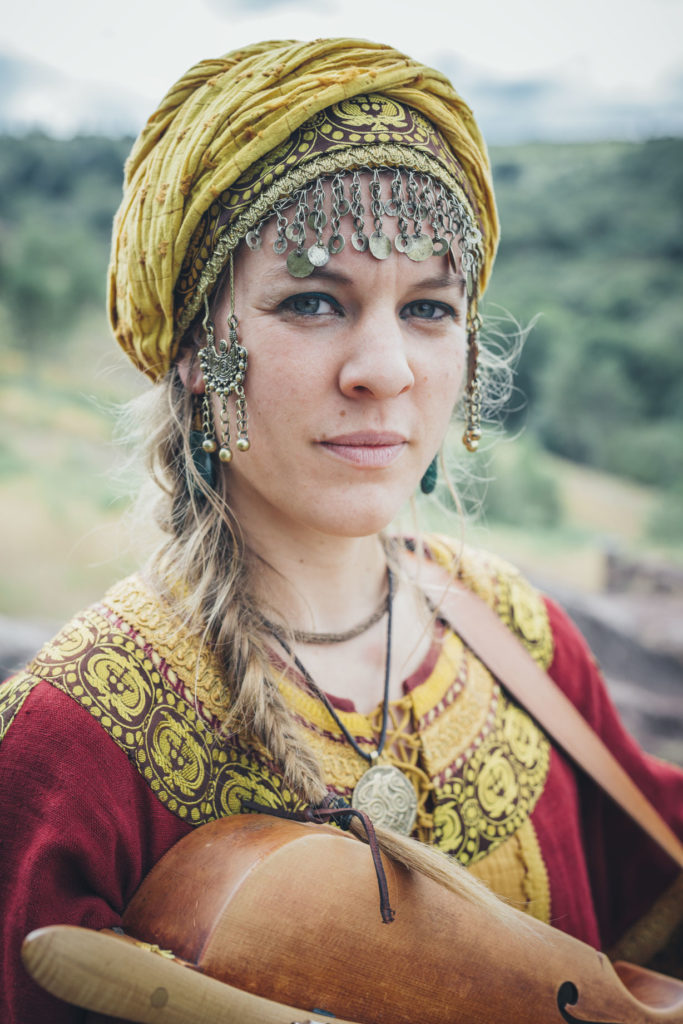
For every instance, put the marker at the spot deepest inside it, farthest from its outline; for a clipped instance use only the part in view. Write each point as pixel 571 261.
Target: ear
pixel 190 372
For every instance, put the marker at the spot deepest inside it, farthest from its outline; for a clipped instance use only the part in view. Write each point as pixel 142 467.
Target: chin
pixel 367 516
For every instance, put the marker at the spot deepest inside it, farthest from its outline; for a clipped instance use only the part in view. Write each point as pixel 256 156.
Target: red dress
pixel 107 760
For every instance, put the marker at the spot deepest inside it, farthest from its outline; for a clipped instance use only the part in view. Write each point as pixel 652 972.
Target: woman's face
pixel 353 374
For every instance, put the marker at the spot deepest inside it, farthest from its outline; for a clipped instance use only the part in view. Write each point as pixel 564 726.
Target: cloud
pixel 527 109
pixel 35 96
pixel 555 110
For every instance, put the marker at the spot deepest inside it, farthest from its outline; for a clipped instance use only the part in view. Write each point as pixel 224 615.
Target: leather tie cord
pixel 318 816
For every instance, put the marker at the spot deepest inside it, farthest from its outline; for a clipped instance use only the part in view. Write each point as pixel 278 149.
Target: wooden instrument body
pixel 290 912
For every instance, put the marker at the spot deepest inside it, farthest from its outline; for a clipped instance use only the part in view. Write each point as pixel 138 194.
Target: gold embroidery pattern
pixel 519 605
pixel 13 693
pixel 515 871
pixel 452 739
pixel 110 671
pixel 468 749
pixel 492 789
pixel 477 761
pixel 134 604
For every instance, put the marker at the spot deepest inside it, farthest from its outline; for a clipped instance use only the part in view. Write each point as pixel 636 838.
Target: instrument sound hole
pixel 567 995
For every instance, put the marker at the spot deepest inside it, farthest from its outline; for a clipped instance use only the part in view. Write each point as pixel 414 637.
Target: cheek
pixel 445 381
pixel 284 393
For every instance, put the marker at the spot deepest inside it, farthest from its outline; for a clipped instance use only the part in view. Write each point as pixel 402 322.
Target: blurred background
pixel 582 106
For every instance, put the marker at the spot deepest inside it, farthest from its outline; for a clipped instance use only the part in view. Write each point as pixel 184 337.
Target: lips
pixel 367 448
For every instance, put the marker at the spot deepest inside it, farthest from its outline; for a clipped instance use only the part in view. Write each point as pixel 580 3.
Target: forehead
pixel 350 269
pixel 341 226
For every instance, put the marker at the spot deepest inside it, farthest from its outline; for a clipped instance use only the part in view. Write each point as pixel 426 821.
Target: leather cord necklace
pixel 383 792
pixel 300 636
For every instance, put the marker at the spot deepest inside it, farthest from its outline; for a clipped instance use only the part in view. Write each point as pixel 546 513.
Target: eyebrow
pixel 280 271
pixel 447 280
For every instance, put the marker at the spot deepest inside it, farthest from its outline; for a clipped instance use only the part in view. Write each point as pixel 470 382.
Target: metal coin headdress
pixel 253 136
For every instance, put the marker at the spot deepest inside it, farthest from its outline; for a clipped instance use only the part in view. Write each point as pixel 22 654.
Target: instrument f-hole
pixel 568 994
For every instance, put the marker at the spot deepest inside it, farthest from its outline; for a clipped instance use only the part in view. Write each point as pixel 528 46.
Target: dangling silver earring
pixel 472 434
pixel 224 370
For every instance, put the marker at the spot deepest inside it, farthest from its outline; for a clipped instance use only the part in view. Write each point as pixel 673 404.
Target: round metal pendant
pixel 336 244
pixel 380 246
pixel 253 240
pixel 421 249
pixel 280 246
pixel 440 246
pixel 298 264
pixel 387 797
pixel 293 230
pixel 403 243
pixel 359 241
pixel 318 254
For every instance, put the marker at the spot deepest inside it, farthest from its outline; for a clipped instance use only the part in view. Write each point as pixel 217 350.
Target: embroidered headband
pixel 192 193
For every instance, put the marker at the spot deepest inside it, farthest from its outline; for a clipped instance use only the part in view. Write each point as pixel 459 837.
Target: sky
pixel 534 68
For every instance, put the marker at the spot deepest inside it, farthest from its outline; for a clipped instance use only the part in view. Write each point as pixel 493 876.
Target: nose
pixel 377 363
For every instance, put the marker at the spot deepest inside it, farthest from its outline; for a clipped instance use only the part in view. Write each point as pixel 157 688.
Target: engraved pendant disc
pixel 421 249
pixel 387 797
pixel 318 254
pixel 298 264
pixel 380 246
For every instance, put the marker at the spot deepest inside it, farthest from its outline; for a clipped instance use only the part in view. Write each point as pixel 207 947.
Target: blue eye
pixel 311 304
pixel 424 309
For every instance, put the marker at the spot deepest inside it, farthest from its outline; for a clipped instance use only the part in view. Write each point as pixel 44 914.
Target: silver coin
pixel 336 244
pixel 253 240
pixel 387 797
pixel 280 245
pixel 380 246
pixel 318 254
pixel 359 241
pixel 293 230
pixel 421 249
pixel 391 208
pixel 403 243
pixel 440 246
pixel 298 264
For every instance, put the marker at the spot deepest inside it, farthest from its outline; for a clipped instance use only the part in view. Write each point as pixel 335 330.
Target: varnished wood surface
pixel 290 912
pixel 102 971
pixel 272 922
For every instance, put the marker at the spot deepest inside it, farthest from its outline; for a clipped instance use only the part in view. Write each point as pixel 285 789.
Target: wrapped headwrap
pixel 236 138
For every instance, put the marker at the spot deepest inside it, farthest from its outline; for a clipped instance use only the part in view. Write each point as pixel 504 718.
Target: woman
pixel 305 234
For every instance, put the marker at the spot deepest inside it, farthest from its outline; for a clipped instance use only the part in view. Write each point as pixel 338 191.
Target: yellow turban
pixel 222 117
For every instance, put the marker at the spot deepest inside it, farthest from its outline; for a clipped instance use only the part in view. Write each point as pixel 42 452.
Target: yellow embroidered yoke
pixel 477 760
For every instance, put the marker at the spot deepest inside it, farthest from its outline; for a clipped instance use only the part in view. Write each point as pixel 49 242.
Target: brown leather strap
pixel 493 643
